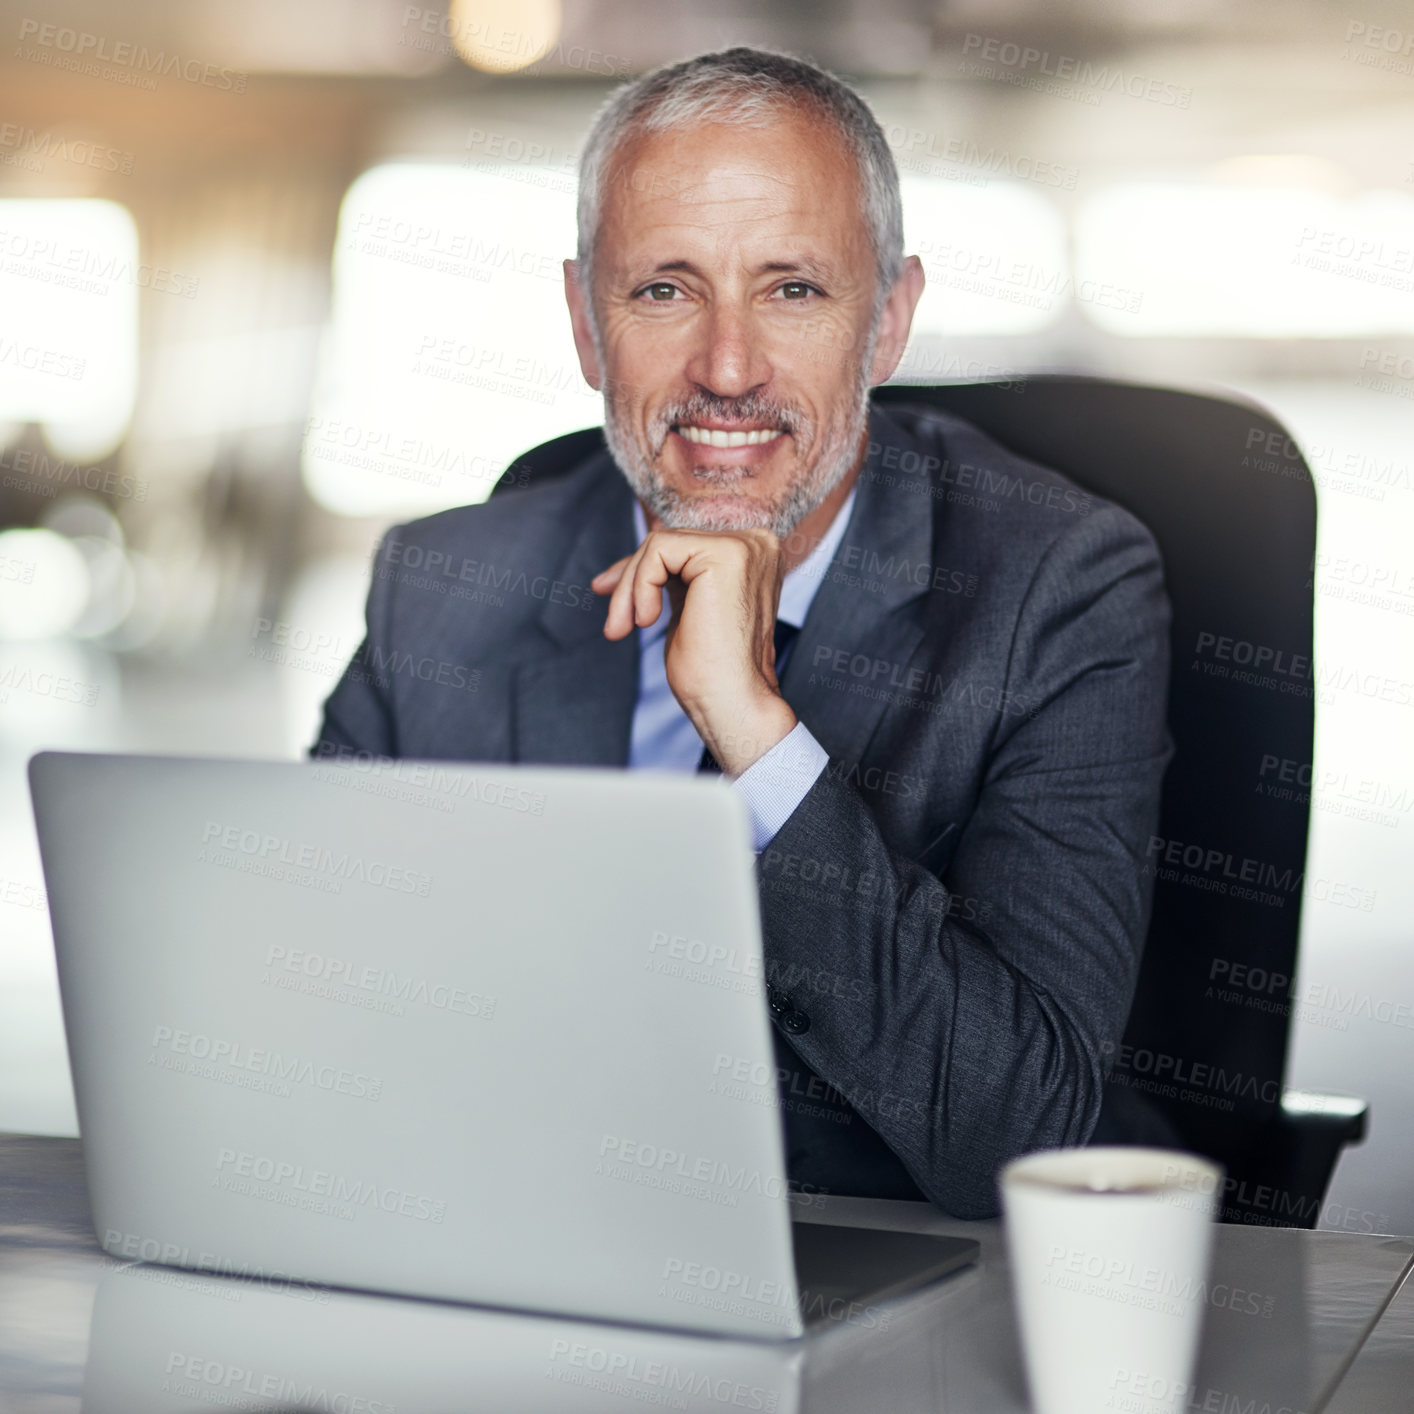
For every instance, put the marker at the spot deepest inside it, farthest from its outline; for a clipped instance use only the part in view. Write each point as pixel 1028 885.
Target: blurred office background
pixel 273 276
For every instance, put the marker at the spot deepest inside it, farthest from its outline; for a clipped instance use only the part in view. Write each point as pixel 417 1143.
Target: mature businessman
pixel 936 673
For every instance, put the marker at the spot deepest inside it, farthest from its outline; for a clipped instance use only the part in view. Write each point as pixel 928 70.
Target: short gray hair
pixel 749 87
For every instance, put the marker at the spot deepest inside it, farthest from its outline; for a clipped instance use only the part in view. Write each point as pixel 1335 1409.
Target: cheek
pixel 636 371
pixel 830 343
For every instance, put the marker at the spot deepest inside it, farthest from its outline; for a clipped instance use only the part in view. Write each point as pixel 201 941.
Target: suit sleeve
pixel 966 1043
pixel 358 714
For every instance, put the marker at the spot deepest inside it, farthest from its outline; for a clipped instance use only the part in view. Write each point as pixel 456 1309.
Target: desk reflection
pixel 1284 1312
pixel 166 1340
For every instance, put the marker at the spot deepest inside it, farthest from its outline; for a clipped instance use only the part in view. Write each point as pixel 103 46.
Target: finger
pixel 606 579
pixel 650 577
pixel 619 620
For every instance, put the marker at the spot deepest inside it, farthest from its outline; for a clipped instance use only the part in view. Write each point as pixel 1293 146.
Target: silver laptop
pixel 483 1034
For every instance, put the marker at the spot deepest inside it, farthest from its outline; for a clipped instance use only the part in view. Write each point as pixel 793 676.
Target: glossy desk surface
pixel 1296 1323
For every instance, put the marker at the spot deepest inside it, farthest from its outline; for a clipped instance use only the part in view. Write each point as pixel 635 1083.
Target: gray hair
pixel 748 87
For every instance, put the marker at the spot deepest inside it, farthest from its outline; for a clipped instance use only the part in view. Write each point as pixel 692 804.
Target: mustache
pixel 754 408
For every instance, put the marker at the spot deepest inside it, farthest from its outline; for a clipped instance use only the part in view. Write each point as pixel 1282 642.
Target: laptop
pixel 475 1033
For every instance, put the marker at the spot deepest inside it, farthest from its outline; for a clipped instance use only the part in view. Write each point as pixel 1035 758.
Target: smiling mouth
pixel 721 437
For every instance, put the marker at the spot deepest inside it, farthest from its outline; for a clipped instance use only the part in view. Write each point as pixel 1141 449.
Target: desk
pixel 1288 1328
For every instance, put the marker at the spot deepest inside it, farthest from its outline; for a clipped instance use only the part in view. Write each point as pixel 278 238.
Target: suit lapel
pixel 889 543
pixel 574 706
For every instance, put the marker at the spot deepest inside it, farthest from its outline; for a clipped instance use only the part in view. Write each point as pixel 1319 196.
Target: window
pixel 449 351
pixel 69 282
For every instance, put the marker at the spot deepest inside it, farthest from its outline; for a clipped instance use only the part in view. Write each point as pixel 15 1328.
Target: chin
pixel 719 513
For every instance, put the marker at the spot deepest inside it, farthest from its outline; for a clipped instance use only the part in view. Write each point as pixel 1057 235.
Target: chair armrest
pixel 1341 1117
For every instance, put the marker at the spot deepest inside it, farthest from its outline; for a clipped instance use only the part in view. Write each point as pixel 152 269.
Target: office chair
pixel 1230 501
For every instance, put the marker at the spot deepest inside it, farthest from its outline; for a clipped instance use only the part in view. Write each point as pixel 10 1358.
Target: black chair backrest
pixel 1230 501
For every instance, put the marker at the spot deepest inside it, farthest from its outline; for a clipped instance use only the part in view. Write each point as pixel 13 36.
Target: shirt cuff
pixel 776 782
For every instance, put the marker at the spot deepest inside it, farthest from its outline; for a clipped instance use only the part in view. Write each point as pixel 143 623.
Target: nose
pixel 730 359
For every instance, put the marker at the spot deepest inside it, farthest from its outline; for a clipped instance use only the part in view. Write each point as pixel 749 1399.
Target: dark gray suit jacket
pixel 953 916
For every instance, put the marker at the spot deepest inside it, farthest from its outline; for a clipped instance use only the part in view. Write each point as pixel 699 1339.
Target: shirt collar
pixel 798 588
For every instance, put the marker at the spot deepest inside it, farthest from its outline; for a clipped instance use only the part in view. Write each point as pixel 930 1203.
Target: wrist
pixel 741 738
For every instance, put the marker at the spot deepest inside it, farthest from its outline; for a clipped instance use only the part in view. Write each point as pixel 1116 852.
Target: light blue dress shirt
pixel 664 739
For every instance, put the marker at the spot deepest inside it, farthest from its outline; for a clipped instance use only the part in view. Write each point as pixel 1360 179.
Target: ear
pixel 895 321
pixel 577 297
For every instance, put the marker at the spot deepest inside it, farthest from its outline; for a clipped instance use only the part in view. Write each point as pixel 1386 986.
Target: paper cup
pixel 1109 1252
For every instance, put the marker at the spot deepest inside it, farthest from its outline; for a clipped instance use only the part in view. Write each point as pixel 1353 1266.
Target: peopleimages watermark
pixel 1387 370
pixel 51 260
pixel 963 159
pixel 692 1176
pixel 294 1185
pixel 54 687
pixel 1379 47
pixel 317 651
pixel 255 1067
pixel 1218 870
pixel 463 253
pixel 717 964
pixel 1138 1392
pixel 444 573
pixel 1151 1288
pixel 135 1247
pixel 862 567
pixel 25 148
pixel 436 29
pixel 1356 255
pixel 1277 669
pixel 1062 75
pixel 1363 583
pixel 922 364
pixel 120 61
pixel 784 871
pixel 196 1375
pixel 423 783
pixel 514 150
pixel 756 1082
pixel 1316 1003
pixel 259 852
pixel 36 358
pixel 730 968
pixel 14 570
pixel 1329 468
pixel 656 1382
pixel 495 369
pixel 374 988
pixel 403 458
pixel 987 481
pixel 981 270
pixel 771 1301
pixel 903 686
pixel 18 893
pixel 1235 1194
pixel 35 472
pixel 1165 1075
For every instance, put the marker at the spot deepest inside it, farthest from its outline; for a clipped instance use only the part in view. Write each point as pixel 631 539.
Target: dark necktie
pixel 785 633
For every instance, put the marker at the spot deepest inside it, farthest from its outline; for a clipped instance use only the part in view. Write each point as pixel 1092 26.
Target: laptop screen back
pixel 449 1031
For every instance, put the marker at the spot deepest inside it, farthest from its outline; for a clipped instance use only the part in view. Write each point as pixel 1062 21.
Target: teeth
pixel 715 437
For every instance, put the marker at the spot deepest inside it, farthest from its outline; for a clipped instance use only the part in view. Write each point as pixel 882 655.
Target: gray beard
pixel 832 464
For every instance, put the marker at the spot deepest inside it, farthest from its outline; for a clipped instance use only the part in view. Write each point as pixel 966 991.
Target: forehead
pixel 730 186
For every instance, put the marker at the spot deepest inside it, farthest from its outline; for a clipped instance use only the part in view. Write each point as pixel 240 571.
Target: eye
pixel 796 290
pixel 661 292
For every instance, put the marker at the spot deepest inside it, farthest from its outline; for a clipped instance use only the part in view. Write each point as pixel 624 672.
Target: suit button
pixel 795 1022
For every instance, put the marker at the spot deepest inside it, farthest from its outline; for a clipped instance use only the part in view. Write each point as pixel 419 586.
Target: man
pixel 952 769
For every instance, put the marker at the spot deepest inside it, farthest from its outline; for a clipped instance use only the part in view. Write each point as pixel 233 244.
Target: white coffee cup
pixel 1109 1251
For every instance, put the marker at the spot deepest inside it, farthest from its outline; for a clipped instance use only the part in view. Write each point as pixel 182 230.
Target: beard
pixel 826 455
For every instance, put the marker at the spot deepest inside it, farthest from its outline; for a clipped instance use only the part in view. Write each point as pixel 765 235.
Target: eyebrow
pixel 806 267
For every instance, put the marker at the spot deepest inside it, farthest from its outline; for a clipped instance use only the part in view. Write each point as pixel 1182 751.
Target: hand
pixel 724 587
